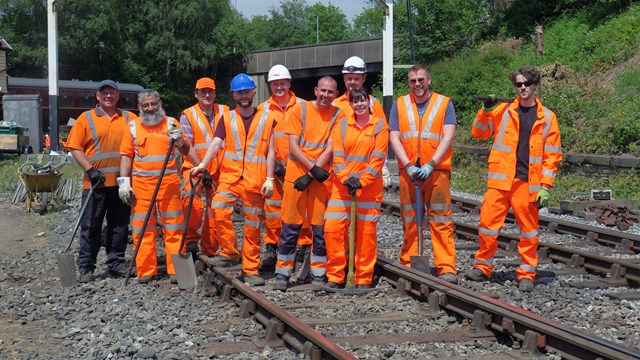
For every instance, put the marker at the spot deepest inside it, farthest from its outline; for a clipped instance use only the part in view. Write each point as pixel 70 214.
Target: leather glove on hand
pixel 175 133
pixel 543 197
pixel 491 102
pixel 416 173
pixel 207 179
pixel 319 173
pixel 280 170
pixel 302 182
pixel 352 184
pixel 95 176
pixel 125 192
pixel 267 188
pixel 386 177
pixel 427 169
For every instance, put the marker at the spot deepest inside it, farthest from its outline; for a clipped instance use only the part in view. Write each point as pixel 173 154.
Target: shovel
pixel 183 263
pixel 149 210
pixel 420 262
pixel 67 262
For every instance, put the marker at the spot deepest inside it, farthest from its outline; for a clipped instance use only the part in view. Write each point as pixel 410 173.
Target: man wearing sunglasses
pixel 523 164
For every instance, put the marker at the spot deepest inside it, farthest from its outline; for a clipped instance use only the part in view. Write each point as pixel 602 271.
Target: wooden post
pixel 539 40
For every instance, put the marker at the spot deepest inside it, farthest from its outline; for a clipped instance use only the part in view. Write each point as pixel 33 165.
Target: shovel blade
pixel 67 270
pixel 421 263
pixel 185 271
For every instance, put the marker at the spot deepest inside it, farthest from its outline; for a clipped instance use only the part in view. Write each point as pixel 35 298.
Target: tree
pixel 330 21
pixel 23 24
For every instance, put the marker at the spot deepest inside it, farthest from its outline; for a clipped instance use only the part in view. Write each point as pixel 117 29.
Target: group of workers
pixel 299 167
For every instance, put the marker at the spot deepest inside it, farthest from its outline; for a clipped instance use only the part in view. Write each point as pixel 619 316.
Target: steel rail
pixel 534 331
pixel 278 322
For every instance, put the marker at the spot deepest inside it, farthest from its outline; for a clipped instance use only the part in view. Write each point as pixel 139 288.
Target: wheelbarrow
pixel 38 182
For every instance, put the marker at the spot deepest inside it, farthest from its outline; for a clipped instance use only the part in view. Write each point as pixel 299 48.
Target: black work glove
pixel 95 176
pixel 319 173
pixel 352 185
pixel 302 182
pixel 280 170
pixel 207 179
pixel 491 102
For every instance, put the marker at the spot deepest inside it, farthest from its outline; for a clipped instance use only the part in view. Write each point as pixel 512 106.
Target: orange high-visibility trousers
pixel 199 229
pixel 494 210
pixel 169 208
pixel 437 197
pixel 336 233
pixel 253 206
pixel 273 219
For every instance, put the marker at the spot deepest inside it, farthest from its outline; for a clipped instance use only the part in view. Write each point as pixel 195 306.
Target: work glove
pixel 427 169
pixel 491 102
pixel 207 179
pixel 175 134
pixel 125 191
pixel 352 185
pixel 319 173
pixel 96 176
pixel 198 169
pixel 386 177
pixel 416 173
pixel 280 170
pixel 543 197
pixel 267 188
pixel 302 182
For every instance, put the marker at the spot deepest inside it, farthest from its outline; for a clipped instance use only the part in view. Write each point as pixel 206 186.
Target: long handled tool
pixel 183 263
pixel 149 210
pixel 67 262
pixel 420 262
pixel 484 98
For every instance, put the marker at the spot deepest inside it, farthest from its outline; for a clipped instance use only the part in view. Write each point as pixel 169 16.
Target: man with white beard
pixel 143 149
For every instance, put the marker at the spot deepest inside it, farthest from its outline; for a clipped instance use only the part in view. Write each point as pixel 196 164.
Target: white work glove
pixel 386 177
pixel 198 169
pixel 267 188
pixel 125 191
pixel 175 133
pixel 428 169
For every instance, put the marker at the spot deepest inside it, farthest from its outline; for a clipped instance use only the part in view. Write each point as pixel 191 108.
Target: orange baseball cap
pixel 205 83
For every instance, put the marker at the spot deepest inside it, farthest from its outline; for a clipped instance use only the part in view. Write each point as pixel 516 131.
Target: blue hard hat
pixel 242 82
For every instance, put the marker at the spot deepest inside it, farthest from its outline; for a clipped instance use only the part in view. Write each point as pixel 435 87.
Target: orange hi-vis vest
pixel 314 129
pixel 280 140
pixel 375 107
pixel 545 149
pixel 245 154
pixel 151 145
pixel 423 133
pixel 203 134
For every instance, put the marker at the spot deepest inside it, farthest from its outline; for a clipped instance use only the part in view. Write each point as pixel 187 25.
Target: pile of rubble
pixel 612 215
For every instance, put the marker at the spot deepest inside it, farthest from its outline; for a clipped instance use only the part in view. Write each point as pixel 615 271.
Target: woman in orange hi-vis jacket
pixel 360 145
pixel 523 164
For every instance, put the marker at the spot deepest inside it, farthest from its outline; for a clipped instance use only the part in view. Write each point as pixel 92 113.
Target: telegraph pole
pixel 387 59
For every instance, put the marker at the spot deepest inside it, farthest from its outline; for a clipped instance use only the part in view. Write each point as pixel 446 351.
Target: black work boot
pixel 268 263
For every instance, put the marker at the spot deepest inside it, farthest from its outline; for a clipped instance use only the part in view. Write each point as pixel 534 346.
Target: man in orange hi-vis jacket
pixel 198 123
pixel 422 126
pixel 144 148
pixel 360 143
pixel 523 164
pixel 246 174
pixel 306 189
pixel 279 103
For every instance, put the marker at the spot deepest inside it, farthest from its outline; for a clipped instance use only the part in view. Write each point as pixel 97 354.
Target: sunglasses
pixel 526 83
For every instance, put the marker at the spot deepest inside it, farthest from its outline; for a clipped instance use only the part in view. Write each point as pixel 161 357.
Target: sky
pixel 250 8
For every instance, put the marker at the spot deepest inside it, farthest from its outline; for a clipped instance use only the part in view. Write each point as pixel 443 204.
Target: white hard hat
pixel 354 65
pixel 278 72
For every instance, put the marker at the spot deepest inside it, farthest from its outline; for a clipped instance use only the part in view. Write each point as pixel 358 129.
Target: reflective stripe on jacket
pixel 203 133
pixel 423 133
pixel 375 107
pixel 280 140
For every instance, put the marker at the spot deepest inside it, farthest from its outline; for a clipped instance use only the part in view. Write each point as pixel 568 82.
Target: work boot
pixel 254 280
pixel 450 277
pixel 281 284
pixel 145 279
pixel 475 274
pixel 332 285
pixel 526 285
pixel 173 279
pixel 193 248
pixel 363 286
pixel 86 277
pixel 318 280
pixel 268 263
pixel 120 270
pixel 221 261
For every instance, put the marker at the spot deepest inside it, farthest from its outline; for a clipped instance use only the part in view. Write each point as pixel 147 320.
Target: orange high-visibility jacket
pixel 545 150
pixel 203 134
pixel 246 155
pixel 360 152
pixel 280 140
pixel 375 107
pixel 314 128
pixel 148 146
pixel 423 133
pixel 99 137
